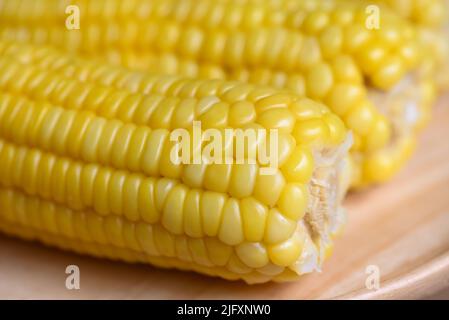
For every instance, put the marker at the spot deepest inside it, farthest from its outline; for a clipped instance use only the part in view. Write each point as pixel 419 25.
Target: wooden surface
pixel 401 227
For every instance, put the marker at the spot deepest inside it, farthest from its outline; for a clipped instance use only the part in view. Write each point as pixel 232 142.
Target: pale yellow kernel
pixel 371 57
pixel 235 91
pixel 243 179
pixel 296 83
pixel 192 214
pixel 152 151
pixel 211 210
pixel 409 52
pixel 241 113
pixel 253 254
pixel 336 127
pixel 77 132
pixel 299 166
pixel 273 101
pixel 80 229
pixel 345 69
pixel 315 21
pixel 29 171
pixel 47 127
pixel 293 201
pixel 319 80
pixel 136 147
pixel 355 36
pixel 379 167
pixel 146 107
pixel 199 252
pixel 190 41
pixel 64 220
pixel 128 107
pixel 310 53
pixel 129 236
pixel 162 115
pixel 147 202
pixel 217 177
pixel 205 103
pixel 218 252
pixel 172 216
pixel 193 175
pixel 259 93
pixel 111 104
pixel 281 119
pixel 286 253
pixel 113 228
pixel 164 241
pixel 168 36
pixel 231 228
pixel 361 118
pixel 379 135
pixel 278 227
pixel 214 45
pixel 106 142
pixel 121 145
pixel 389 73
pixel 254 216
pixel 88 176
pixel 331 40
pixel 305 108
pixel 343 15
pixel 131 196
pixel 101 203
pixel 215 117
pixel 168 167
pixel 163 188
pixel 270 269
pixel 294 46
pixel 145 237
pixel 343 97
pixel 285 146
pixel 116 187
pixel 184 114
pixel 182 249
pixel 268 187
pixel 312 131
pixel 73 185
pixel 235 265
pixel 96 97
pixel 95 225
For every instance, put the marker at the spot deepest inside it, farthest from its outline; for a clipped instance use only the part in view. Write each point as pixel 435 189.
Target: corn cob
pixel 85 165
pixel 233 43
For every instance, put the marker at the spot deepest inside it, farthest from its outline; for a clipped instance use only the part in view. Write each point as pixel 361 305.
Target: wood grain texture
pixel 402 227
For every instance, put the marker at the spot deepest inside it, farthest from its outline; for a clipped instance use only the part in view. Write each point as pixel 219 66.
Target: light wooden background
pixel 402 227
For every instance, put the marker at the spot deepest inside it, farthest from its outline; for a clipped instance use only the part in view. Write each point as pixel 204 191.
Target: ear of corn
pixel 321 51
pixel 85 165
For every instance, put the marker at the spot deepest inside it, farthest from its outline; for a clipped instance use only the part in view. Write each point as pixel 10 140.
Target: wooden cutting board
pixel 401 227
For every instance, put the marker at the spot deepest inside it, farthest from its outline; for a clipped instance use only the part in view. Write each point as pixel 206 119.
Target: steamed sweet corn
pixel 320 50
pixel 85 165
